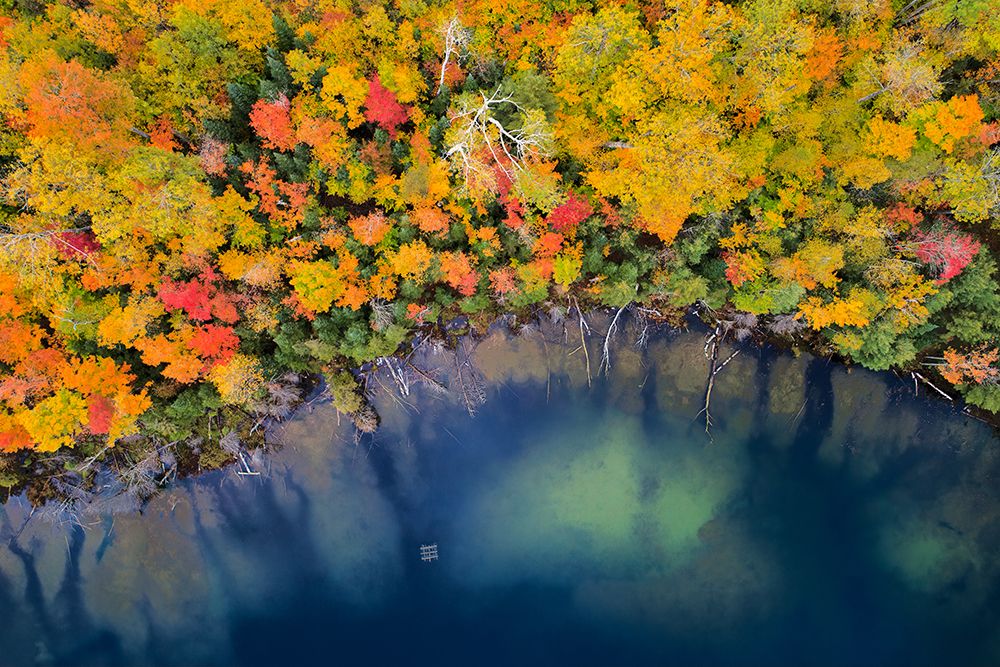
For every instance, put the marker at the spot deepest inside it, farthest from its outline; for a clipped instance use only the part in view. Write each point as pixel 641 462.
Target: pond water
pixel 833 518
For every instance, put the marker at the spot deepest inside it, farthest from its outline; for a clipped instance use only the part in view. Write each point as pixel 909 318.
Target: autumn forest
pixel 203 202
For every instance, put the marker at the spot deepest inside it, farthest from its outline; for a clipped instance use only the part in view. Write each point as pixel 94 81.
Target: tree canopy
pixel 199 196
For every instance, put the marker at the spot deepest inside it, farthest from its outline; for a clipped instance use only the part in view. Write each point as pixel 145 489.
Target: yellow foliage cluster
pixel 854 310
pixel 237 380
pixel 412 260
pixel 888 139
pixel 321 284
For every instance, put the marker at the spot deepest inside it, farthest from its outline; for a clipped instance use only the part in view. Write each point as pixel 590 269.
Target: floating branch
pixel 606 358
pixel 918 376
pixel 714 369
pixel 583 342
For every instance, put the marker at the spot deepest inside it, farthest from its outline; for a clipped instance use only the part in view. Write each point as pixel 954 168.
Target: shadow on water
pixel 818 413
pixel 816 516
pixel 577 526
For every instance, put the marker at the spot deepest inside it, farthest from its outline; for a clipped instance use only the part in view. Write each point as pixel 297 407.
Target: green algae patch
pixel 503 357
pixel 692 490
pixel 786 386
pixel 596 496
pixel 571 503
pixel 786 400
pixel 148 569
pixel 859 410
pixel 927 556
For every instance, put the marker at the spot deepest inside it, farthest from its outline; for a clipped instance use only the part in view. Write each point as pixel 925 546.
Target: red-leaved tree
pixel 199 298
pixel 567 216
pixel 382 108
pixel 946 250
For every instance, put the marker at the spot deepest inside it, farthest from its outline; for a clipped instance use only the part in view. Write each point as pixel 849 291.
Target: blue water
pixel 832 518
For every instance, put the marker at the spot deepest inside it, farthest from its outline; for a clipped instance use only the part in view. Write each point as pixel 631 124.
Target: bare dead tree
pixel 643 315
pixel 433 383
pixel 456 39
pixel 741 326
pixel 557 313
pixel 63 512
pixel 71 505
pixel 32 251
pixel 230 443
pixel 990 175
pixel 248 462
pixel 283 394
pixel 786 325
pixel 905 75
pixel 382 315
pixel 912 12
pixel 396 396
pixel 365 420
pixel 139 477
pixel 642 340
pixel 475 132
pixel 711 343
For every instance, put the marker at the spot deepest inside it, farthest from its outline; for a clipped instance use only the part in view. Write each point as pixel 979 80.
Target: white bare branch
pixel 606 357
pixel 456 38
pixel 479 143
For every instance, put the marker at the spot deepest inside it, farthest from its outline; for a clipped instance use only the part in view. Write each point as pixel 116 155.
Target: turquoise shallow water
pixel 833 519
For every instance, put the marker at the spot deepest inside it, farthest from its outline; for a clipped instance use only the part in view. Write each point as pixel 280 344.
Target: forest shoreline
pixel 242 441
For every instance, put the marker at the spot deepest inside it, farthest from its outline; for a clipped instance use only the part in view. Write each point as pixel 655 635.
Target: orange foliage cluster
pixel 976 366
pixel 458 272
pixel 370 229
pixel 273 123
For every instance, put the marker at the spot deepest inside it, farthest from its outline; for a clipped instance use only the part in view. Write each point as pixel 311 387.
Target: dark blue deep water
pixel 832 518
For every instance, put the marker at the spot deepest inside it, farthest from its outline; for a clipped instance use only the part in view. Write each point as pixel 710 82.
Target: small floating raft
pixel 428 552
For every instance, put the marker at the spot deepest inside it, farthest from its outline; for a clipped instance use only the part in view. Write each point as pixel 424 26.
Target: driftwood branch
pixel 723 364
pixel 606 357
pixel 473 392
pixel 714 368
pixel 799 413
pixel 711 342
pixel 437 385
pixel 398 374
pixel 245 470
pixel 918 376
pixel 583 342
pixel 871 95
